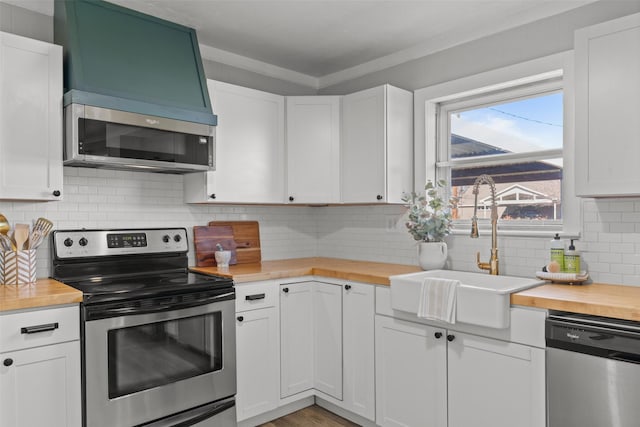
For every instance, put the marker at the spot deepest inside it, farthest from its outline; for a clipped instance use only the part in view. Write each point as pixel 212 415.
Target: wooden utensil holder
pixel 18 267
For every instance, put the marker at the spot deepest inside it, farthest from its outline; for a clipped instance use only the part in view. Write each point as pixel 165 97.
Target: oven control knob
pixel 68 242
pixel 166 238
pixel 177 238
pixel 83 241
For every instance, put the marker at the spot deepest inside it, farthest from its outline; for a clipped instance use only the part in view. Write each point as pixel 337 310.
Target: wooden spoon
pixel 20 235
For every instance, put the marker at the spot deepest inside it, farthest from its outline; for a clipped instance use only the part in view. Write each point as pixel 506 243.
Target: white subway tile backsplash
pixel 96 198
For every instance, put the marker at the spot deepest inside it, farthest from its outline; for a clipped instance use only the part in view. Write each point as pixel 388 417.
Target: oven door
pixel 143 367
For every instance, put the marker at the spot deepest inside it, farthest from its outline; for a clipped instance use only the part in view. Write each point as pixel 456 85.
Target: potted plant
pixel 429 221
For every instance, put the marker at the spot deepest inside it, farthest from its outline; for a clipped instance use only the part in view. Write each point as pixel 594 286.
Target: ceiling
pixel 319 42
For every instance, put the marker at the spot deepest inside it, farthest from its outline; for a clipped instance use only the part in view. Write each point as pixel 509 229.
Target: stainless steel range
pixel 158 342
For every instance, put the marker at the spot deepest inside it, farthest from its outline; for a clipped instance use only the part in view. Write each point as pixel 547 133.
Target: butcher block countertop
pixel 621 302
pixel 358 271
pixel 45 292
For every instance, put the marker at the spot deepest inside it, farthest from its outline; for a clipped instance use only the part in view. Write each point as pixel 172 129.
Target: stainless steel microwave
pixel 113 139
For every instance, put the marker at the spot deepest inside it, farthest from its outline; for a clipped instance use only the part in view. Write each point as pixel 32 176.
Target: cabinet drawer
pixel 253 297
pixel 26 329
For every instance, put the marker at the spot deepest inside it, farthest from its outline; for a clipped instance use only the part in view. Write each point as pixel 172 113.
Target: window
pixel 515 135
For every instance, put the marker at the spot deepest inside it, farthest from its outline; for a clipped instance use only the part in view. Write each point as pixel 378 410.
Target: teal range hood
pixel 120 59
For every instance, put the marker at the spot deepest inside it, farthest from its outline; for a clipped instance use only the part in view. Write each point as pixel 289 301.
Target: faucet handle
pixel 482 265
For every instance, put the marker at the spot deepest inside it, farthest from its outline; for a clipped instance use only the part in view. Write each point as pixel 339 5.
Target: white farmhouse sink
pixel 482 299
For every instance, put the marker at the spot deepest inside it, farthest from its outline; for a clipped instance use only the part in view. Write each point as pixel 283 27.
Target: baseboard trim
pixel 278 412
pixel 354 418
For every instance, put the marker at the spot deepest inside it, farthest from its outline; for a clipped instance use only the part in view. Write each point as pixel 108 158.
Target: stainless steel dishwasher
pixel 593 371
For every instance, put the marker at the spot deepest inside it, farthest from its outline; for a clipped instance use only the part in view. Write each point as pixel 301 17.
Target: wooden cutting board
pixel 206 239
pixel 247 238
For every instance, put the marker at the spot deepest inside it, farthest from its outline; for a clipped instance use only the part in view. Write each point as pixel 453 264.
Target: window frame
pixel 527 74
pixel 444 163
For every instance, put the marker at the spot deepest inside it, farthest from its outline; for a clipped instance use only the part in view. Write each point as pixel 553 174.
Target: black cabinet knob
pixel 379 197
pixel 7 362
pixel 291 198
pixel 212 196
pixel 68 242
pixel 451 338
pixel 347 287
pixel 438 335
pixel 285 290
pixel 177 238
pixel 57 193
pixel 83 241
pixel 166 238
pixel 240 318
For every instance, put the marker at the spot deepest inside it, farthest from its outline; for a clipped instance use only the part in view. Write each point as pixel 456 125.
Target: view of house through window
pixel 518 142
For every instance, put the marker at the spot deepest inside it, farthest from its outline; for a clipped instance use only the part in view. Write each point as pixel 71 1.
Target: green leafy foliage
pixel 429 217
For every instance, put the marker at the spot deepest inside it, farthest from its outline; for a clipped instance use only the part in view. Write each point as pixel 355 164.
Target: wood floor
pixel 312 416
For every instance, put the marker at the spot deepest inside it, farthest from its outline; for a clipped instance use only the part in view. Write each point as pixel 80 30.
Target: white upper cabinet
pixel 607 108
pixel 30 119
pixel 249 149
pixel 313 149
pixel 377 145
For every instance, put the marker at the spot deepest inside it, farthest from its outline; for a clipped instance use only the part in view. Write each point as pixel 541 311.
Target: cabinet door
pixel 327 337
pixel 363 146
pixel 296 338
pixel 607 108
pixel 249 148
pixel 257 362
pixel 411 374
pixel 313 149
pixel 492 383
pixel 30 119
pixel 41 386
pixel 358 330
pixel 377 145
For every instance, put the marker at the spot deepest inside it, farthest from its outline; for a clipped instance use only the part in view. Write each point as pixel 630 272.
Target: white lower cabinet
pixel 327 343
pixel 296 338
pixel 358 335
pixel 411 375
pixel 327 339
pixel 492 383
pixel 427 376
pixel 257 348
pixel 40 369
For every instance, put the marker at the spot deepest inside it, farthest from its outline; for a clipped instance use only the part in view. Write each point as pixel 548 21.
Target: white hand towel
pixel 438 299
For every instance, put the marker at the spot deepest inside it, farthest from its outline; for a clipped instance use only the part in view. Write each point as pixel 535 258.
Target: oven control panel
pixel 92 243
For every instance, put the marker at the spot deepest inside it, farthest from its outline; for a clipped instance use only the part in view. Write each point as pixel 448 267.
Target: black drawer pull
pixel 254 297
pixel 39 328
pixel 285 290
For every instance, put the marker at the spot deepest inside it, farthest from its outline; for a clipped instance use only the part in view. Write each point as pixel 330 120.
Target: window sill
pixel 549 233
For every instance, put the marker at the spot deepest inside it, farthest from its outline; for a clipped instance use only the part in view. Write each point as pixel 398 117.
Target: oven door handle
pixel 192 417
pixel 206 415
pixel 104 312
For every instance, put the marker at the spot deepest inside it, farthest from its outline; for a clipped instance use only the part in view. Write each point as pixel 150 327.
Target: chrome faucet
pixel 492 265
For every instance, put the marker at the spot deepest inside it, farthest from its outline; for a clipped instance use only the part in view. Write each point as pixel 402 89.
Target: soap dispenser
pixel 572 259
pixel 557 253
